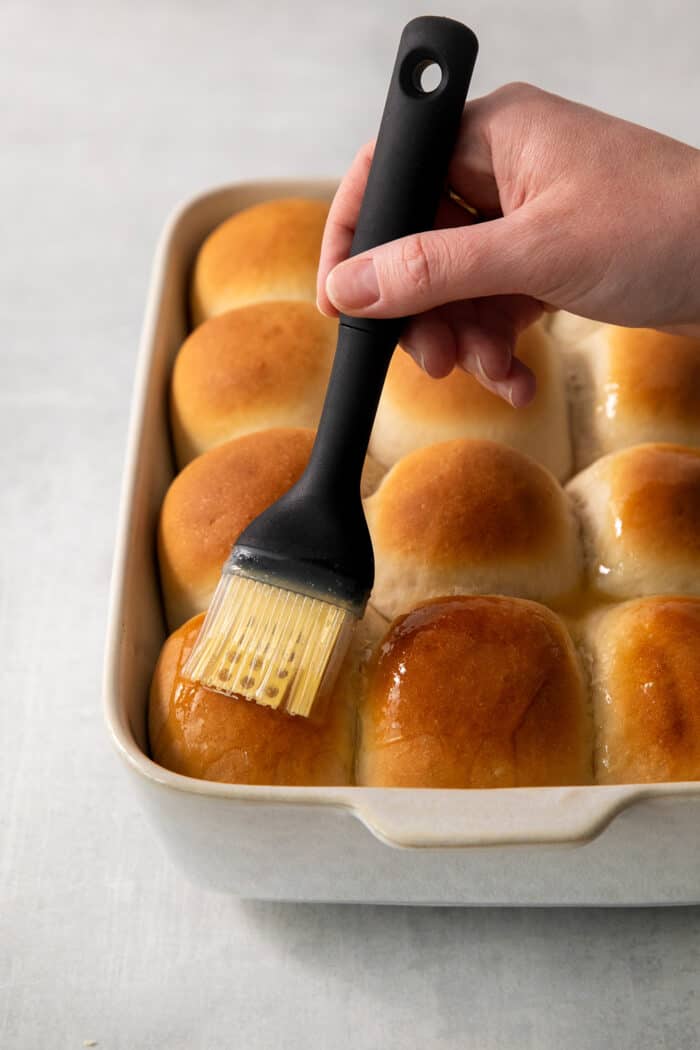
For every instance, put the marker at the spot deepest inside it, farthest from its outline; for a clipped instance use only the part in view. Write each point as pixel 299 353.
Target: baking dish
pixel 627 844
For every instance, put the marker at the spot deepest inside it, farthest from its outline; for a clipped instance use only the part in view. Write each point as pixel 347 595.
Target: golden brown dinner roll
pixel 471 517
pixel 264 365
pixel 645 667
pixel 210 503
pixel 269 251
pixel 635 385
pixel 416 410
pixel 640 516
pixel 215 497
pixel 475 692
pixel 199 733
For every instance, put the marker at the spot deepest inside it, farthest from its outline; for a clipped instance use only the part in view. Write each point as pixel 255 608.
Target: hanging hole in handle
pixel 427 76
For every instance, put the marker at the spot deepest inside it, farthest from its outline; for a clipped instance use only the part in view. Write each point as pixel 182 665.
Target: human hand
pixel 590 214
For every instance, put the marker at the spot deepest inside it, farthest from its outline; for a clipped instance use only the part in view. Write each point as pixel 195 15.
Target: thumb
pixel 417 273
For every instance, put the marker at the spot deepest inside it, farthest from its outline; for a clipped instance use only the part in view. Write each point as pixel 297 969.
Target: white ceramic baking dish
pixel 587 845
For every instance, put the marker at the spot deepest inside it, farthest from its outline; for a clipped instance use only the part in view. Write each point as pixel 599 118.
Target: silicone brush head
pixel 270 645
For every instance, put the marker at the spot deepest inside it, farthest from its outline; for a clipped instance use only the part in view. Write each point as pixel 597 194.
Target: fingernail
pixel 416 354
pixel 494 374
pixel 324 309
pixel 501 389
pixel 483 374
pixel 353 285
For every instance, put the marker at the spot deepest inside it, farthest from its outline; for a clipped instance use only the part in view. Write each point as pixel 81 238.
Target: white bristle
pixel 270 645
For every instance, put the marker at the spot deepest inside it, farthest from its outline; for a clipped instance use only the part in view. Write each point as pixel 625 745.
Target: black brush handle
pixel 417 133
pixel 315 538
pixel 406 180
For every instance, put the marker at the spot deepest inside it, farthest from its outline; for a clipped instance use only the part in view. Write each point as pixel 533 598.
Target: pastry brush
pixel 299 577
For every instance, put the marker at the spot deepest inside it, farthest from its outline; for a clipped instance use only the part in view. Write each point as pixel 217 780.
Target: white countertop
pixel 109 114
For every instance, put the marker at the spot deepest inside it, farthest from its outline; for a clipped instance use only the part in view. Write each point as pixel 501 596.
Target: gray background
pixel 109 114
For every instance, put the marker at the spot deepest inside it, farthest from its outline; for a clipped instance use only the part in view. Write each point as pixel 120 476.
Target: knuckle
pixel 518 90
pixel 417 264
pixel 521 98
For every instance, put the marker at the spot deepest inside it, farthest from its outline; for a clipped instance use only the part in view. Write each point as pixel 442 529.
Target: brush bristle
pixel 270 645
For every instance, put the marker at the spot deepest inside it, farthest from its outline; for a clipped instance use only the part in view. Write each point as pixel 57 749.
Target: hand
pixel 590 214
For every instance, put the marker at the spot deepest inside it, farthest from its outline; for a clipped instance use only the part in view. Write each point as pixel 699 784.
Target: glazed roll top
pixel 635 385
pixel 264 365
pixel 268 251
pixel 471 517
pixel 475 692
pixel 645 658
pixel 416 410
pixel 199 733
pixel 640 516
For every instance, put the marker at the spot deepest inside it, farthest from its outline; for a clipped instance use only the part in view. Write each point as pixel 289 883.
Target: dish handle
pixel 448 819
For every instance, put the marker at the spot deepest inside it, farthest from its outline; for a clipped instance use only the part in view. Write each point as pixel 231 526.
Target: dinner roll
pixel 200 733
pixel 471 517
pixel 210 503
pixel 215 497
pixel 269 251
pixel 416 410
pixel 263 365
pixel 645 668
pixel 478 692
pixel 640 516
pixel 634 385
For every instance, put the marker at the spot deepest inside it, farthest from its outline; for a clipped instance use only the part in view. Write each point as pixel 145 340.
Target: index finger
pixel 340 224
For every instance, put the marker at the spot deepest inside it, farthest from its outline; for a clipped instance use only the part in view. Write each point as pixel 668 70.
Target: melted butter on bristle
pixel 273 646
